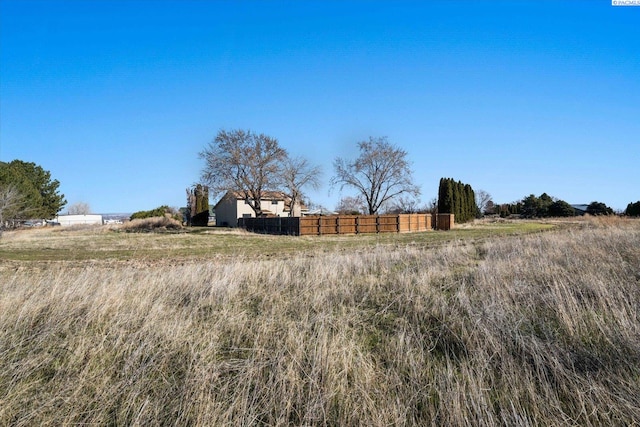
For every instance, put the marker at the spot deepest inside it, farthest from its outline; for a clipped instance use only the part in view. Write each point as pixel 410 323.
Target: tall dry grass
pixel 536 330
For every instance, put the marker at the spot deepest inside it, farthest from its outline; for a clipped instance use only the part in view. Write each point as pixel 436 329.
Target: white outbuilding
pixel 67 220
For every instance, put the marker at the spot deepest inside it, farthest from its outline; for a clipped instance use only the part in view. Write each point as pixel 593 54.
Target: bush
pixel 599 208
pixel 561 208
pixel 151 224
pixel 157 212
pixel 633 209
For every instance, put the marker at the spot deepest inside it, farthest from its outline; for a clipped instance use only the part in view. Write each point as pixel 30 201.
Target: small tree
pixel 198 205
pixel 200 217
pixel 11 204
pixel 560 208
pixel 536 207
pixel 350 205
pixel 80 208
pixel 599 208
pixel 483 201
pixel 405 205
pixel 490 208
pixel 298 174
pixel 380 174
pixel 633 209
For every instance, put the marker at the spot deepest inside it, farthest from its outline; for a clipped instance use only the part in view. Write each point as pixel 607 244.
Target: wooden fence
pixel 347 224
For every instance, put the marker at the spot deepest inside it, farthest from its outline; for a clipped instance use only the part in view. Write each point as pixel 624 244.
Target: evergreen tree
pixel 455 207
pixel 445 196
pixel 599 208
pixel 39 193
pixel 530 205
pixel 560 208
pixel 457 198
pixel 633 209
pixel 201 215
pixel 472 208
pixel 544 202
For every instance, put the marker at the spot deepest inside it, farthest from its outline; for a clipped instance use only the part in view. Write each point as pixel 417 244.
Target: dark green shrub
pixel 561 208
pixel 633 209
pixel 599 208
pixel 160 211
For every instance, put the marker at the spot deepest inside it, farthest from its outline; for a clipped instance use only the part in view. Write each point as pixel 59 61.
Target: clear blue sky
pixel 116 98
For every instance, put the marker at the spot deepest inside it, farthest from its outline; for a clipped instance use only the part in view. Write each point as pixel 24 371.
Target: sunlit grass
pixel 108 243
pixel 505 327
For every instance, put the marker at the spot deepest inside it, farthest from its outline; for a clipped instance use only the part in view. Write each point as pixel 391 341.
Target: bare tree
pixel 11 204
pixel 245 163
pixel 431 206
pixel 405 205
pixel 297 174
pixel 351 205
pixel 482 200
pixel 380 174
pixel 80 208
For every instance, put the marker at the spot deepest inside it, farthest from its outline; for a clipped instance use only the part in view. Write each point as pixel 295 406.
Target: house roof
pixel 321 211
pixel 267 196
pixel 580 207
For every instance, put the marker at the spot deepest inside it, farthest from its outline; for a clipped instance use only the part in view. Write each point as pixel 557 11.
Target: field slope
pixel 490 326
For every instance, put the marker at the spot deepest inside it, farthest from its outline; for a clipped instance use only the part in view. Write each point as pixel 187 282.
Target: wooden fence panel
pixel 388 223
pixel 444 221
pixel 367 224
pixel 309 226
pixel 347 224
pixel 329 224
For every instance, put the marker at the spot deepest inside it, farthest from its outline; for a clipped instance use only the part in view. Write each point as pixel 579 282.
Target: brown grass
pixel 540 329
pixel 150 224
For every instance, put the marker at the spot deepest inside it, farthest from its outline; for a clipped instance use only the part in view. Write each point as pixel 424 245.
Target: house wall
pixel 275 208
pixel 226 213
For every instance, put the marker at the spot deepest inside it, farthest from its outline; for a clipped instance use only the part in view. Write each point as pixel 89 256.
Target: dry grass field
pixel 491 324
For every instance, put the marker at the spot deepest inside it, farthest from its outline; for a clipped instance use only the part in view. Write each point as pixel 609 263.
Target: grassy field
pixel 505 323
pixel 113 244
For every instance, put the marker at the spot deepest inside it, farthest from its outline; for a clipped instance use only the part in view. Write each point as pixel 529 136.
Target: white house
pixel 78 219
pixel 233 206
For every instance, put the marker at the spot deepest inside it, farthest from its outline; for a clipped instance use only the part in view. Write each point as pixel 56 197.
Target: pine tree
pixel 633 209
pixel 457 198
pixel 198 205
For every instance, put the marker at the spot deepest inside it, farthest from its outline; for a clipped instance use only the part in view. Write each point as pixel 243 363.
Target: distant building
pixel 320 211
pixel 68 220
pixel 580 209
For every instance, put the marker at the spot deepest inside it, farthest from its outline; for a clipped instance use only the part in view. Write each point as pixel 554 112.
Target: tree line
pixel 545 206
pixel 251 164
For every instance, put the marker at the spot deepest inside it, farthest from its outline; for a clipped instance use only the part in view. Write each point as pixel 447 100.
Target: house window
pixel 274 202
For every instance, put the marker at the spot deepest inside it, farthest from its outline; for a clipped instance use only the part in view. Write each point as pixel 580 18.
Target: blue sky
pixel 117 98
